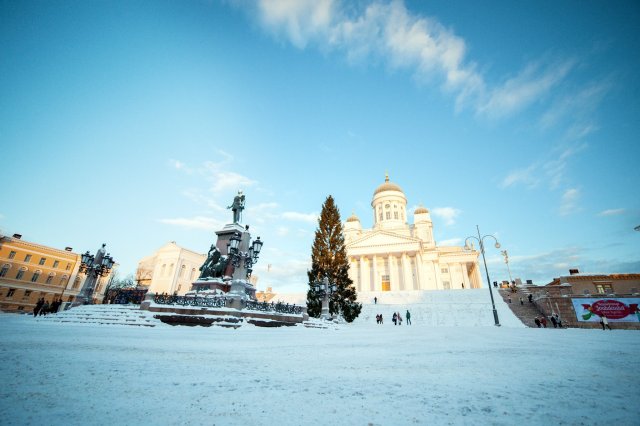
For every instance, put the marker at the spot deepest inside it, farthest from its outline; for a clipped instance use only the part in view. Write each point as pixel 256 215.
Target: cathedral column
pixel 465 276
pixel 361 280
pixel 374 279
pixel 420 284
pixel 394 273
pixel 407 273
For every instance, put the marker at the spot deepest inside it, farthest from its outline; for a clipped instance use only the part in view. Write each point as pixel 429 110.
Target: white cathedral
pixel 395 255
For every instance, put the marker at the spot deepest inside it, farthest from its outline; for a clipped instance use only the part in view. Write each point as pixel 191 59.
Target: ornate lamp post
pixel 506 260
pixel 237 256
pixel 325 290
pixel 480 240
pixel 93 267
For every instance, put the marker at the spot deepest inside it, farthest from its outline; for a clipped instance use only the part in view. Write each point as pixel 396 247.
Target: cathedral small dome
pixel 353 218
pixel 420 210
pixel 387 186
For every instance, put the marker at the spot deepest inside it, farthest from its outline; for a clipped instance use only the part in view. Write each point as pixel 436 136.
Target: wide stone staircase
pixel 105 315
pixel 526 312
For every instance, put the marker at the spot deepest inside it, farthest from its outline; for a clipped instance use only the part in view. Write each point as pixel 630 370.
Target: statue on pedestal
pixel 215 264
pixel 237 207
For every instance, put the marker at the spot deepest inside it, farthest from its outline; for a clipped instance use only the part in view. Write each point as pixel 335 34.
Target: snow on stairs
pixel 525 312
pixel 104 314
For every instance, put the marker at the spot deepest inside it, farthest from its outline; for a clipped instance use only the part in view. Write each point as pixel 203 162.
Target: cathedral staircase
pixel 526 312
pixel 105 315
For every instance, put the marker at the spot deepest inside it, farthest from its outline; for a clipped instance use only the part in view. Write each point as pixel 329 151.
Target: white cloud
pixel 555 168
pixel 401 39
pixel 612 212
pixel 301 217
pixel 386 30
pixel 198 222
pixel 449 214
pixel 569 202
pixel 282 231
pixel 527 176
pixel 522 90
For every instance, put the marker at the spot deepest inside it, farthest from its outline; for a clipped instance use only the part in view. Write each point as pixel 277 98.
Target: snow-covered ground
pixel 358 374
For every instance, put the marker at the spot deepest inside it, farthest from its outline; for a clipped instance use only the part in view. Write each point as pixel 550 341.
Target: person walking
pixel 36 309
pixel 375 300
pixel 399 319
pixel 558 320
pixel 604 322
pixel 408 316
pixel 395 319
pixel 537 321
pixel 543 320
pixel 521 300
pixel 530 297
pixel 554 321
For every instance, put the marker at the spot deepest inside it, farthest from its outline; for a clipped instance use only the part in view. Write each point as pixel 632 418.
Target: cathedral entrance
pixel 386 284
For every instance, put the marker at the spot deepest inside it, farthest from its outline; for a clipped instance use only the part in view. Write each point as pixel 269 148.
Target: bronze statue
pixel 215 264
pixel 237 207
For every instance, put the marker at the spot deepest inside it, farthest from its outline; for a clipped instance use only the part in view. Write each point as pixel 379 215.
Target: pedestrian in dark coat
pixel 553 321
pixel 36 309
pixel 408 315
pixel 395 319
pixel 538 323
pixel 530 297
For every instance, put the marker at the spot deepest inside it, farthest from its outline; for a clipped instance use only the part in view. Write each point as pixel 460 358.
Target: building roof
pixel 421 210
pixel 353 218
pixel 387 186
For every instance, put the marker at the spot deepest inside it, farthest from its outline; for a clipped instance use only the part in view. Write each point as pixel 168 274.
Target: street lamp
pixel 497 245
pixel 325 290
pixel 506 260
pixel 93 267
pixel 250 256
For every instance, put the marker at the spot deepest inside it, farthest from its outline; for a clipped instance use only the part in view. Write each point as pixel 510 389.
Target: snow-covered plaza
pixel 358 374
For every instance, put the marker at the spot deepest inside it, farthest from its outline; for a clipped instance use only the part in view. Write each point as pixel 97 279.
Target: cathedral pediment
pixel 383 239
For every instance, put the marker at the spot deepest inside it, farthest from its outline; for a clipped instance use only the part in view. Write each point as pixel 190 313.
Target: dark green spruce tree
pixel 329 258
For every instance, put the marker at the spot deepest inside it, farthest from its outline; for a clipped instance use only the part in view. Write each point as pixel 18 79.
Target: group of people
pixel 541 321
pixel 396 319
pixel 43 307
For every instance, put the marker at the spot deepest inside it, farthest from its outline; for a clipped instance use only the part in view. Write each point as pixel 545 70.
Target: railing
pixel 210 302
pixel 282 308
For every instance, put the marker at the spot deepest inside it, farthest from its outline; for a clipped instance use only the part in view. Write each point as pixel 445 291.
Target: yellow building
pixel 30 271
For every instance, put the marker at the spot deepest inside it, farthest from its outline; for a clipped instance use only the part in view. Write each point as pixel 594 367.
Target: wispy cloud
pixel 518 92
pixel 612 212
pixel 449 214
pixel 527 176
pixel 387 31
pixel 569 202
pixel 555 168
pixel 197 222
pixel 301 217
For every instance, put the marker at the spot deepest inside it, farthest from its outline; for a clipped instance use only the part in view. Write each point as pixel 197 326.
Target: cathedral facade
pixel 395 255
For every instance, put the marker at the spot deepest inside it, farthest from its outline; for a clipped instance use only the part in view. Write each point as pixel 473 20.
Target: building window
pixel 604 289
pixel 12 254
pixel 193 273
pixel 380 216
pixel 179 287
pixel 68 266
pixel 4 270
pixel 42 260
pixel 395 215
pixel 49 278
pixel 27 258
pixel 35 276
pixel 182 268
pixel 27 293
pixel 56 263
pixel 11 292
pixel 444 270
pixel 19 275
pixel 76 283
pixel 63 280
pixel 446 285
pixel 388 215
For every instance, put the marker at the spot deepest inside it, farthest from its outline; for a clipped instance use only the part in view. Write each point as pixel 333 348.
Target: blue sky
pixel 135 122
